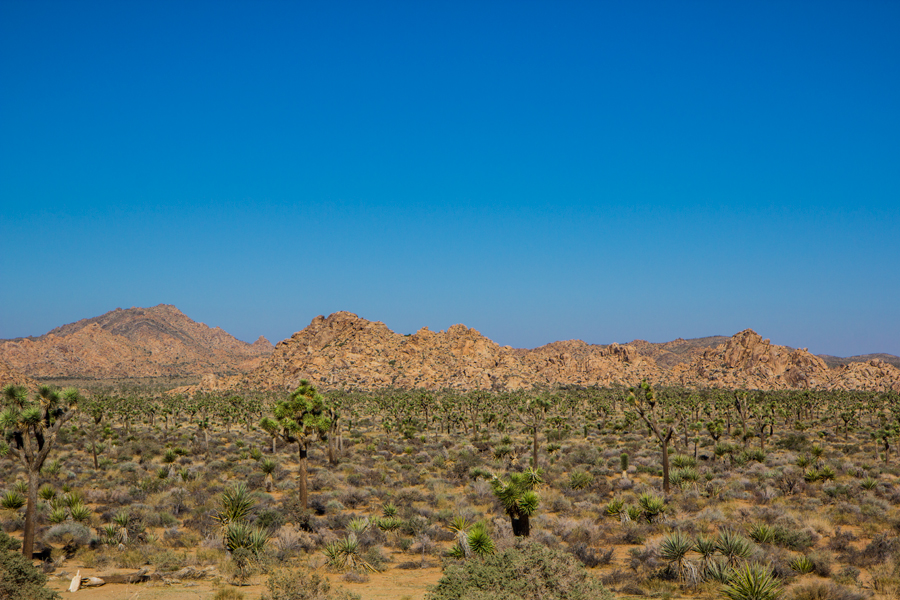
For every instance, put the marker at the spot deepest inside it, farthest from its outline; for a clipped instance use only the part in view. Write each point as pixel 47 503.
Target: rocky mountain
pixel 136 342
pixel 676 352
pixel 346 351
pixel 837 361
pixel 8 375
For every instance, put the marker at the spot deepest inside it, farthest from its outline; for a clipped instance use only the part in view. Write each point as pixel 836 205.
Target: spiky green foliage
pixel 803 565
pixel 346 554
pixel 752 581
pixel 674 549
pixel 236 503
pixel 762 533
pixel 614 507
pixel 240 534
pixel 579 480
pixel 12 500
pixel 518 498
pixel 652 506
pixel 733 546
pixel 30 428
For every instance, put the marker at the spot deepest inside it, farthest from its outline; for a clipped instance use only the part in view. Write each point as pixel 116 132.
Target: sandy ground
pixel 393 585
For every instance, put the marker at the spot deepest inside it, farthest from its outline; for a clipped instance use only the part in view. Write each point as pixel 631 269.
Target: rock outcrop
pixel 344 350
pixel 875 375
pixel 137 342
pixel 8 375
pixel 747 361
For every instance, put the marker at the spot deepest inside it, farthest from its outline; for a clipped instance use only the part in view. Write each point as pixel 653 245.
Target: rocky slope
pixel 680 351
pixel 137 342
pixel 344 350
pixel 8 375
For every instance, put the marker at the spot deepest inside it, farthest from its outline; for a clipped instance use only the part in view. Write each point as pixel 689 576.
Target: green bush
pixel 19 579
pixel 526 571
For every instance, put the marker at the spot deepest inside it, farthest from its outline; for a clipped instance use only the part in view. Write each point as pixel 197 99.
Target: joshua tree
pixel 519 498
pixel 644 401
pixel 533 413
pixel 29 429
pixel 301 419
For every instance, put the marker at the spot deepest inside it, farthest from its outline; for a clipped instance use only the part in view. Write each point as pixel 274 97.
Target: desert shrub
pixel 592 557
pixel 70 532
pixel 19 579
pixel 823 590
pixel 876 552
pixel 525 571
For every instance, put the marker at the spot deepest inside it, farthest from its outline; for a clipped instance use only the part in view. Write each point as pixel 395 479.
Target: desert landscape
pixel 349 461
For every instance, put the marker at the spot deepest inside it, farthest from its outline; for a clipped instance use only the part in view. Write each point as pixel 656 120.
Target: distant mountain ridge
pixel 135 342
pixel 346 351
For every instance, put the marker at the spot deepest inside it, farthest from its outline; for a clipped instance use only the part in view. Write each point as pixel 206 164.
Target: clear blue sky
pixel 536 170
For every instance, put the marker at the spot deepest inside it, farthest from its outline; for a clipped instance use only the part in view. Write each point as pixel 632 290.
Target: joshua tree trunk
pixel 30 514
pixel 521 525
pixel 301 475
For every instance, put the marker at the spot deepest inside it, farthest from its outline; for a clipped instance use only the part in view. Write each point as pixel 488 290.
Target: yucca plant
pixel 388 509
pixel 634 513
pixel 674 549
pixel 12 500
pixel 614 507
pixel 162 472
pixel 80 512
pixel 169 456
pixel 20 487
pixel 480 541
pixel 240 534
pixel 389 524
pixel 236 503
pixel 652 507
pixel 345 554
pixel 268 466
pixel 579 480
pixel 110 535
pixel 73 497
pixel 718 570
pixel 733 546
pixel 705 547
pixel 803 565
pixel 762 533
pixel 869 483
pixel 826 473
pixel 47 492
pixel 812 475
pixel 752 581
pixel 58 515
pixel 681 461
pixel 358 525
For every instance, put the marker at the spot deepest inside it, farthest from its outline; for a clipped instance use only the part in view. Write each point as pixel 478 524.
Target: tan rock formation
pixel 137 342
pixel 747 361
pixel 875 375
pixel 8 375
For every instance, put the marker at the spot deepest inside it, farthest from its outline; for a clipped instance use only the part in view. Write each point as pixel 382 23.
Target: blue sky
pixel 536 170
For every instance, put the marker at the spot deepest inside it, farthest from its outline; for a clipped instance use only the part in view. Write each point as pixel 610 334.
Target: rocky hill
pixel 837 361
pixel 8 375
pixel 676 352
pixel 136 342
pixel 346 351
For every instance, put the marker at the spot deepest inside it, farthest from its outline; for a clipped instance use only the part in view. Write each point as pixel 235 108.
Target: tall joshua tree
pixel 647 406
pixel 29 431
pixel 301 419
